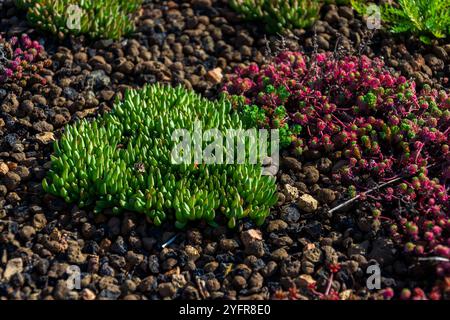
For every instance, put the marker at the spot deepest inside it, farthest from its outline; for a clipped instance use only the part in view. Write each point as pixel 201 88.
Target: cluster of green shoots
pixel 279 14
pixel 426 19
pixel 106 19
pixel 124 161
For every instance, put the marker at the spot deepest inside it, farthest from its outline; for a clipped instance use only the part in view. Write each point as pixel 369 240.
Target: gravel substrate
pixel 194 43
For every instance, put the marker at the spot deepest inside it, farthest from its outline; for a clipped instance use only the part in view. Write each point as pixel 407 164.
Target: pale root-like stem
pixel 330 282
pixel 366 192
pixel 370 191
pixel 434 259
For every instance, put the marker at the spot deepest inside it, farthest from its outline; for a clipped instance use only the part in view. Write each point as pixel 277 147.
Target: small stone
pixel 251 235
pixel 107 94
pixel 244 39
pixel 27 106
pixel 427 70
pixel 153 264
pixel 286 179
pixel 190 293
pixel 270 269
pixel 346 12
pixel 74 255
pixel 239 282
pixel 326 195
pixel 23 172
pixel 93 264
pixel 307 267
pixel 201 3
pixel 11 180
pixel 331 17
pixel 61 290
pixel 13 267
pixel 3 192
pixel 311 174
pixel 252 240
pixel 290 213
pixel 281 199
pixel 211 266
pixel 243 270
pixel 3 168
pixel 13 198
pixel 406 68
pixel 290 268
pixel 228 244
pixel 331 256
pixel 87 294
pixel 192 253
pixel 134 259
pixel 166 290
pixel 291 164
pixel 194 237
pixel 125 67
pixel 383 251
pixel 45 137
pixel 169 264
pixel 213 284
pixel 276 226
pixel 440 52
pixel 283 241
pixel 42 126
pixel 97 60
pixel 39 221
pixel 256 281
pixel 42 266
pixel 364 224
pixel 325 165
pixel 88 230
pixel 128 286
pixel 434 62
pixel 307 203
pixel 351 265
pixel 127 226
pixel 148 284
pixel 322 42
pixel 98 79
pixel 80 57
pixel 280 254
pixel 304 281
pixel 215 75
pixel 119 246
pixel 290 192
pixel 112 292
pixel 356 249
pixel 313 255
pixel 27 232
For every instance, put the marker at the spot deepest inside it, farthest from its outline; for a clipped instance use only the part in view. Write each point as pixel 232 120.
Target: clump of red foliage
pixel 357 111
pixel 20 60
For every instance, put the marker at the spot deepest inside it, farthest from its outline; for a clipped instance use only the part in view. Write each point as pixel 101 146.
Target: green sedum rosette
pixel 122 161
pixel 98 19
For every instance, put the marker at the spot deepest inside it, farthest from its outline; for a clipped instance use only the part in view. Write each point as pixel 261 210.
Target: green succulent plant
pixel 279 14
pixel 426 19
pixel 122 161
pixel 106 19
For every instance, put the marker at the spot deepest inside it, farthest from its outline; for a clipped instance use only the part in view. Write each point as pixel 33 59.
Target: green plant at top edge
pixel 100 19
pixel 426 19
pixel 279 14
pixel 123 161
